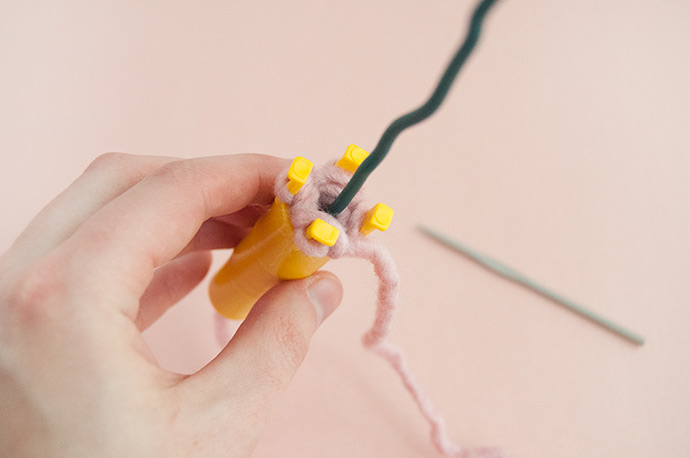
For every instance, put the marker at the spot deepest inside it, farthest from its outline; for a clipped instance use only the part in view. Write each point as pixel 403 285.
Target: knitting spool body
pixel 265 257
pixel 269 254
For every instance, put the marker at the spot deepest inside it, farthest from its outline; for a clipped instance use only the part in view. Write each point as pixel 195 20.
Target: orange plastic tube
pixel 265 257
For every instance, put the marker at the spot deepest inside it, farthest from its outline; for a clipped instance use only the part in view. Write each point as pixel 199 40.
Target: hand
pixel 101 263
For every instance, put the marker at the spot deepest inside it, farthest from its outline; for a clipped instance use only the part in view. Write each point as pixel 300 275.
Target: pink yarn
pixel 322 187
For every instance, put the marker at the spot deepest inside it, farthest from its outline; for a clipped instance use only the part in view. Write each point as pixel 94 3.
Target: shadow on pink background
pixel 564 150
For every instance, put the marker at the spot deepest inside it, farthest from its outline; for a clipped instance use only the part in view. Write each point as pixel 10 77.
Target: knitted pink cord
pixel 322 187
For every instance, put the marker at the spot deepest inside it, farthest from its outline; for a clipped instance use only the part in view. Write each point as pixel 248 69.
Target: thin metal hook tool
pixel 511 274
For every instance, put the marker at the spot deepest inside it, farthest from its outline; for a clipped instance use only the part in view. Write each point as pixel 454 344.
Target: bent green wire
pixel 413 117
pixel 515 276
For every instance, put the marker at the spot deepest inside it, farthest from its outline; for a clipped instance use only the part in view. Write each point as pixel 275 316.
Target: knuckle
pixel 175 171
pixel 36 293
pixel 119 169
pixel 187 176
pixel 178 174
pixel 108 161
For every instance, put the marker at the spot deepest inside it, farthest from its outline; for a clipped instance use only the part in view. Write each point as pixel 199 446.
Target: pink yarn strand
pixel 374 340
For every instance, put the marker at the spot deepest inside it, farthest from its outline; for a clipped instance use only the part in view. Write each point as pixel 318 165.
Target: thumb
pixel 261 359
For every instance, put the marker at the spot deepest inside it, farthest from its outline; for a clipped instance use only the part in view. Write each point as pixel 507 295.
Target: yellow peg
pixel 353 157
pixel 379 217
pixel 323 232
pixel 298 173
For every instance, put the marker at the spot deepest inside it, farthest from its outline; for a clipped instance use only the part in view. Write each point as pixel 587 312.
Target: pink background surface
pixel 564 150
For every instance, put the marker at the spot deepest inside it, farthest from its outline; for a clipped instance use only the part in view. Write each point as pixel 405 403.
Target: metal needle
pixel 515 276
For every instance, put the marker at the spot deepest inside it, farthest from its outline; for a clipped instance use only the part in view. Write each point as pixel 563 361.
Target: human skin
pixel 104 260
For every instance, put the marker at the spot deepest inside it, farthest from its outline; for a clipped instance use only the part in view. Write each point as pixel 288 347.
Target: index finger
pixel 118 247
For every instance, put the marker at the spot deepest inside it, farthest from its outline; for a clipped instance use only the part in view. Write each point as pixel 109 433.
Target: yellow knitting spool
pixel 268 254
pixel 265 257
pixel 262 259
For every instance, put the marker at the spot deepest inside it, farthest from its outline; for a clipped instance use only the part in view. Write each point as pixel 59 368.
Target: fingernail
pixel 325 292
